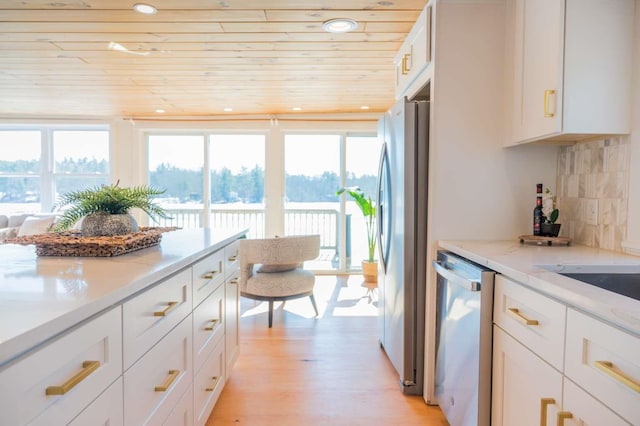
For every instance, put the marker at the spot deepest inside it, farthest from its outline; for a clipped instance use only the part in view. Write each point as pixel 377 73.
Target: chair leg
pixel 313 302
pixel 270 313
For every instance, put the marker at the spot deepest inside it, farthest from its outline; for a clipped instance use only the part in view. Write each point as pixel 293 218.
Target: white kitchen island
pixel 79 334
pixel 563 350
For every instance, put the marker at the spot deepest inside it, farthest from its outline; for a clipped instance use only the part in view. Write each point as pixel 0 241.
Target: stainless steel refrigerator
pixel 402 239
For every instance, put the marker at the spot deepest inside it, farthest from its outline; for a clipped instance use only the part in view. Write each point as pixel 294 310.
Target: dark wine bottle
pixel 538 216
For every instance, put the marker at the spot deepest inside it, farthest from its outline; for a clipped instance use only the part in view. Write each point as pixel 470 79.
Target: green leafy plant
pixel 368 211
pixel 110 199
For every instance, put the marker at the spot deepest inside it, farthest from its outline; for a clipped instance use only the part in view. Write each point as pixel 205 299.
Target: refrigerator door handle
pixel 383 198
pixel 455 278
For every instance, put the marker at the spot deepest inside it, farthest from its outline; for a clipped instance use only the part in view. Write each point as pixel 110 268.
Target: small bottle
pixel 538 216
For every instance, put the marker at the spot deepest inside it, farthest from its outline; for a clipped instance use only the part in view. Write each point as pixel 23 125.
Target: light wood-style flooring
pixel 327 370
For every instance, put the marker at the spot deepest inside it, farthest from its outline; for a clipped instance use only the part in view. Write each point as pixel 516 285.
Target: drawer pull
pixel 562 416
pixel 234 281
pixel 213 384
pixel 515 312
pixel 170 307
pixel 213 323
pixel 544 402
pixel 547 95
pixel 173 374
pixel 607 368
pixel 88 367
pixel 233 258
pixel 210 274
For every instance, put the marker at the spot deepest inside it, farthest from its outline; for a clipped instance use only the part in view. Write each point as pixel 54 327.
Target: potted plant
pixel 370 265
pixel 549 228
pixel 105 209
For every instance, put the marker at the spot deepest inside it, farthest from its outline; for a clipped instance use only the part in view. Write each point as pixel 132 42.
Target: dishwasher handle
pixel 455 278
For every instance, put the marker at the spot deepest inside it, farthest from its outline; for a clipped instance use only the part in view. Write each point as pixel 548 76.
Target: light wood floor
pixel 328 370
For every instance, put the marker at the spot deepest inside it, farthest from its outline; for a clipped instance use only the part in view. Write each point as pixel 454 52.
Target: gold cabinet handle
pixel 173 374
pixel 608 368
pixel 234 281
pixel 562 416
pixel 210 274
pixel 213 323
pixel 213 384
pixel 88 367
pixel 405 63
pixel 233 258
pixel 547 95
pixel 544 403
pixel 170 307
pixel 515 312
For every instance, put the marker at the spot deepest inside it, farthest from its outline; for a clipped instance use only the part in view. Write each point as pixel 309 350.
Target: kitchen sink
pixel 622 279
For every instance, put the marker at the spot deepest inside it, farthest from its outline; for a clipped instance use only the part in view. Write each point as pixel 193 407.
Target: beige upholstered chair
pixel 271 269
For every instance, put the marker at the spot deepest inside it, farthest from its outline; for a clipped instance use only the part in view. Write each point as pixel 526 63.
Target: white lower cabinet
pixel 526 390
pixel 208 384
pixel 605 362
pixel 106 410
pixel 56 382
pixel 585 410
pixel 182 414
pixel 157 381
pixel 156 358
pixel 596 383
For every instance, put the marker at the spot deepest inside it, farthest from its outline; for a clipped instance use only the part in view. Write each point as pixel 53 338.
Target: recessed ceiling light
pixel 364 107
pixel 160 111
pixel 340 25
pixel 147 9
pixel 296 109
pixel 228 109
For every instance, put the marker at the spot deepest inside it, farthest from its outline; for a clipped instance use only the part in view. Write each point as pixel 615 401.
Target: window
pixel 40 164
pixel 176 164
pixel 80 159
pixel 312 177
pixel 237 182
pixel 20 169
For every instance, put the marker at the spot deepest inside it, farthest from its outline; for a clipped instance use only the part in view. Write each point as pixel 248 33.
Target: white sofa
pixel 25 224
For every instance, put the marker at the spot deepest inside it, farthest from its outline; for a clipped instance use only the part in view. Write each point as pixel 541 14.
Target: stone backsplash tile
pixel 594 169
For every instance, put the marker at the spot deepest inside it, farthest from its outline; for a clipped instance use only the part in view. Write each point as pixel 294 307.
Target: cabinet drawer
pixel 585 409
pixel 155 383
pixel 56 382
pixel 208 274
pixel 605 362
pixel 208 326
pixel 232 260
pixel 208 384
pixel 150 315
pixel 535 320
pixel 182 413
pixel 106 410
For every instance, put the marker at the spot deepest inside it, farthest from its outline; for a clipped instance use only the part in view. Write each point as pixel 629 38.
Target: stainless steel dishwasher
pixel 463 340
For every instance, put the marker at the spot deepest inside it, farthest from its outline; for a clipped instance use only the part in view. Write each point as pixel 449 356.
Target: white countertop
pixel 520 262
pixel 41 297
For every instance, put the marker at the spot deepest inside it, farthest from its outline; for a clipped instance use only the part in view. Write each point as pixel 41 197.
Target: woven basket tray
pixel 74 244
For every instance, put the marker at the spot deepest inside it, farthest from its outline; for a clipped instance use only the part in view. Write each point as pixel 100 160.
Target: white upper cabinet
pixel 571 65
pixel 415 54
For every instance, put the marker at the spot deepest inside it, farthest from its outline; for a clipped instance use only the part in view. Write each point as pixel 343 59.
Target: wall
pixel 594 173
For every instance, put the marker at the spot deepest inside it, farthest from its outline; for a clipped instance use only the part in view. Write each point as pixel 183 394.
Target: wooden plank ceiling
pixel 194 58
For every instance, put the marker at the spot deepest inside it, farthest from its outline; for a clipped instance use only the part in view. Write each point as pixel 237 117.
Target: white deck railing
pixel 297 222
